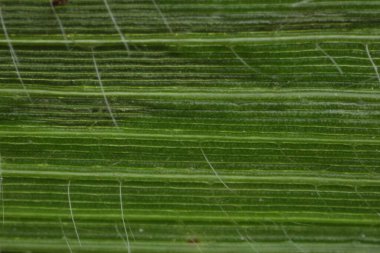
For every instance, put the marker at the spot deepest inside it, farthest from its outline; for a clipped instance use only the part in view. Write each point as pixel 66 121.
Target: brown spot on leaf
pixel 59 2
pixel 193 241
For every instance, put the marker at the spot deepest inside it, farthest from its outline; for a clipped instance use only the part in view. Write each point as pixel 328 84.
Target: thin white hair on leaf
pixel 162 16
pixel 60 24
pixel 72 213
pixel 244 237
pixel 102 90
pixel 192 232
pixel 242 60
pixel 359 160
pixel 291 240
pixel 330 58
pixel 121 34
pixel 13 55
pixel 215 172
pixel 65 237
pixel 372 62
pixel 125 240
pixel 322 199
pixel 280 148
pixel 300 3
pixel 123 218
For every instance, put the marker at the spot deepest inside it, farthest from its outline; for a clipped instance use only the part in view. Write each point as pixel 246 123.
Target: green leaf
pixel 190 126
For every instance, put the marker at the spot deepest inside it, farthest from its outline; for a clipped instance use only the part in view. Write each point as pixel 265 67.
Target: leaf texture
pixel 190 126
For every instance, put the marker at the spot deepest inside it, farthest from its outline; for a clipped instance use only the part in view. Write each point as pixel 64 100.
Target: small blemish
pixel 193 241
pixel 59 2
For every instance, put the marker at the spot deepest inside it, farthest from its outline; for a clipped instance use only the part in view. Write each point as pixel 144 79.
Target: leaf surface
pixel 190 126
